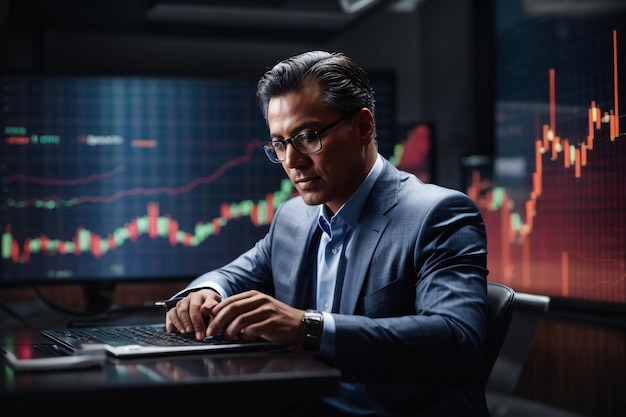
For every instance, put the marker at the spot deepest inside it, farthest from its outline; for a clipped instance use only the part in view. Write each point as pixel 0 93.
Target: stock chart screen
pixel 122 178
pixel 131 178
pixel 554 198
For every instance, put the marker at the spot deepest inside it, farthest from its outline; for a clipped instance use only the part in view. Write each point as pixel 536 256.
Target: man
pixel 371 270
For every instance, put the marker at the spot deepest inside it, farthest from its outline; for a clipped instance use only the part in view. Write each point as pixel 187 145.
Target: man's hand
pixel 192 313
pixel 252 314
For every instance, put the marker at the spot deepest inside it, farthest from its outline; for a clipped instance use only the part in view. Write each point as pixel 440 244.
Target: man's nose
pixel 292 157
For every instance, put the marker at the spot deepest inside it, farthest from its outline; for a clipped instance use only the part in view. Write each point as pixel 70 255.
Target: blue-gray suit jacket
pixel 411 322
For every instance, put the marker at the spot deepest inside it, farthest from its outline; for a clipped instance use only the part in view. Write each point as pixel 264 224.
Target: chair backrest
pixel 528 315
pixel 500 304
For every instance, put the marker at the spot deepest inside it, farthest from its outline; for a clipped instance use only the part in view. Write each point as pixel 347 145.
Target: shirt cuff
pixel 327 348
pixel 204 285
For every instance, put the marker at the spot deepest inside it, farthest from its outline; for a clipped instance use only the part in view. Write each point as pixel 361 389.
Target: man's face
pixel 332 174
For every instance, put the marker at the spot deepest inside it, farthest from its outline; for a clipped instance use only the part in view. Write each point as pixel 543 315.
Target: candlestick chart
pixel 555 203
pixel 120 178
pixel 131 178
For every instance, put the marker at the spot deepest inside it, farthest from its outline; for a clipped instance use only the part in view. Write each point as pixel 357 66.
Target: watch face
pixel 313 326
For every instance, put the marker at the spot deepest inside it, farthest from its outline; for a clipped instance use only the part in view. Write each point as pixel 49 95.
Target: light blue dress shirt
pixel 334 252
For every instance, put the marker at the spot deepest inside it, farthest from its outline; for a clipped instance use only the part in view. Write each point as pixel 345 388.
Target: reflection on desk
pixel 260 383
pixel 228 367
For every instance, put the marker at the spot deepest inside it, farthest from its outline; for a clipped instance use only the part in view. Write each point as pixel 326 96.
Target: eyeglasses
pixel 305 142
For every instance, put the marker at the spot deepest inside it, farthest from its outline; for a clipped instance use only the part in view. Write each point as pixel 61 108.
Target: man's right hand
pixel 192 313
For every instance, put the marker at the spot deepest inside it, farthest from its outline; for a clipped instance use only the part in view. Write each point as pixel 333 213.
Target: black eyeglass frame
pixel 270 150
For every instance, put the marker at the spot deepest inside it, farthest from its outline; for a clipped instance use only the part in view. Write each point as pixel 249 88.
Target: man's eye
pixel 307 137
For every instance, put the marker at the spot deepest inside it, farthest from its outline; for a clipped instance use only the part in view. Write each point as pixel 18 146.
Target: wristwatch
pixel 313 323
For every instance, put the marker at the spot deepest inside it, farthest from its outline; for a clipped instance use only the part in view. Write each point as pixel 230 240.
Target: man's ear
pixel 365 124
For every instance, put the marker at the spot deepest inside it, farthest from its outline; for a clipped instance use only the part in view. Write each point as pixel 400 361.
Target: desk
pixel 240 384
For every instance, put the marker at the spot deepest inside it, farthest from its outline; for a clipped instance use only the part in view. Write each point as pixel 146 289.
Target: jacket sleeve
pixel 427 319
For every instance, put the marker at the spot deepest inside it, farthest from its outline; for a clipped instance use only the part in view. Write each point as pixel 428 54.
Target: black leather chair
pixel 528 316
pixel 500 305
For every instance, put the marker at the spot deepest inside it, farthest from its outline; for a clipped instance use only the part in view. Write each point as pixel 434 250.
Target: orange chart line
pixel 549 143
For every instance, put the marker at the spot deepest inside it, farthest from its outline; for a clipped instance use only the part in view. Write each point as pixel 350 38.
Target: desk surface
pixel 250 383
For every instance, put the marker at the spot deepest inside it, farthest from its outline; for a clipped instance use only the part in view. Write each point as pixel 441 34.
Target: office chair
pixel 528 316
pixel 500 304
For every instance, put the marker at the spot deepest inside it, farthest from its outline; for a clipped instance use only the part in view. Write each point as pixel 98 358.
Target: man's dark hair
pixel 345 86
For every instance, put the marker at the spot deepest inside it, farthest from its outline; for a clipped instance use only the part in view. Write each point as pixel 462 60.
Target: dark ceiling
pixel 270 19
pixel 291 20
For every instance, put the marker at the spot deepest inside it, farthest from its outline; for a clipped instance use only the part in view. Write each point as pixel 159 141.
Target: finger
pixel 194 311
pixel 223 314
pixel 182 313
pixel 251 324
pixel 236 313
pixel 197 322
pixel 232 299
pixel 173 322
pixel 170 325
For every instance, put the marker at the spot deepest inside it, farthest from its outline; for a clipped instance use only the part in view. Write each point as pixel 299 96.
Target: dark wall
pixel 442 55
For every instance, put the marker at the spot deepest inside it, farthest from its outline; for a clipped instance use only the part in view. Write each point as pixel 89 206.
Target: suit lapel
pixel 372 223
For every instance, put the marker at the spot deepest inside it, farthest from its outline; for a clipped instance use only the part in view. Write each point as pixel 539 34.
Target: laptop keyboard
pixel 143 335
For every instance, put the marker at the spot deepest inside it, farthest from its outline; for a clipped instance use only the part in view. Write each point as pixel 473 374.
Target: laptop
pixel 147 340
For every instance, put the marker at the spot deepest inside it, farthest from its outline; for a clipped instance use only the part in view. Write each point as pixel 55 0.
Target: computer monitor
pixel 119 179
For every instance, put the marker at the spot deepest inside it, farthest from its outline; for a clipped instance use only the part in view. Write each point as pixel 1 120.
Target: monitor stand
pixel 98 297
pixel 99 308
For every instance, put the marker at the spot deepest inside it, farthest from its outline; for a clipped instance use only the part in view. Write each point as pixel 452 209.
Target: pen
pixel 168 303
